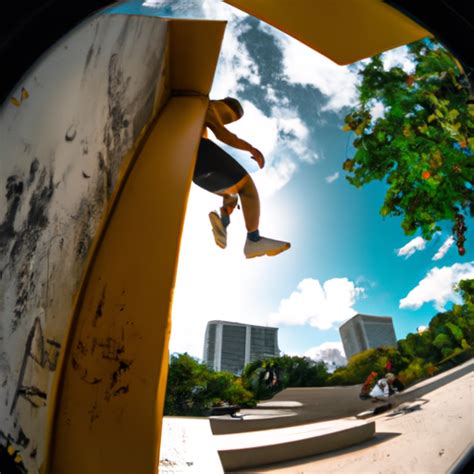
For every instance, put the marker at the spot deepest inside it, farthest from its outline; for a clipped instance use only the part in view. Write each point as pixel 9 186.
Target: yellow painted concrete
pixel 162 96
pixel 113 380
pixel 110 406
pixel 194 47
pixel 345 31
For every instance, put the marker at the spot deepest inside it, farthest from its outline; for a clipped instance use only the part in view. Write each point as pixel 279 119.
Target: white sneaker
pixel 264 246
pixel 218 230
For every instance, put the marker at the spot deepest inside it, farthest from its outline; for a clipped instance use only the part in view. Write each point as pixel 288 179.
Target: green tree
pixel 449 340
pixel 362 364
pixel 268 376
pixel 423 145
pixel 193 389
pixel 417 346
pixel 417 369
pixel 466 311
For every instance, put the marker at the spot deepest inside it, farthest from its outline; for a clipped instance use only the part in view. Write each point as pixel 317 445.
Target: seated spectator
pixel 380 391
pixel 394 384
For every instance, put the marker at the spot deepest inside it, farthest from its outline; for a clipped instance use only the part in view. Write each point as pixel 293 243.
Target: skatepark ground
pixel 429 430
pixel 428 436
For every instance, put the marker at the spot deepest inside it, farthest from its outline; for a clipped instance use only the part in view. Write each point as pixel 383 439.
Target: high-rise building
pixel 230 346
pixel 367 332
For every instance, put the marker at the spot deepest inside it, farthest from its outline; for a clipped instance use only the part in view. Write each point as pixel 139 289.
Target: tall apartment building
pixel 230 346
pixel 367 332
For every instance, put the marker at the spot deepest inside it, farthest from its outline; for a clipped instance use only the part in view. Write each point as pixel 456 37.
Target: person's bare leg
pixel 250 204
pixel 248 194
pixel 229 203
pixel 255 245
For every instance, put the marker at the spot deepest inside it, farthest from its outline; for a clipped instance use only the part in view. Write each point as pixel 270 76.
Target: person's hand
pixel 258 157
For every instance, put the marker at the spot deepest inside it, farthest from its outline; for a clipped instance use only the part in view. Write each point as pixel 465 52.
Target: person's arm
pixel 234 141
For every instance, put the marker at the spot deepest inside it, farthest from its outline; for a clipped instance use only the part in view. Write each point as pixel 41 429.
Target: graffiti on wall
pixel 76 115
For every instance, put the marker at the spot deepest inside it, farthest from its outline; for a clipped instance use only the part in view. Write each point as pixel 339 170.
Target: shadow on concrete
pixel 406 409
pixel 298 463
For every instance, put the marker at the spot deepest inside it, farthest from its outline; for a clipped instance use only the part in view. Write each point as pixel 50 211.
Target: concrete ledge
pixel 240 451
pixel 271 405
pixel 254 420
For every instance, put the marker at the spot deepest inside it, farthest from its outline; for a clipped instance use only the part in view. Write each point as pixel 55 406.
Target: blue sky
pixel 345 258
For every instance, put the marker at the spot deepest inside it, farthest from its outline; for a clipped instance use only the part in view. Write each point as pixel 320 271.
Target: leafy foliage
pixel 193 389
pixel 417 369
pixel 423 145
pixel 363 363
pixel 266 377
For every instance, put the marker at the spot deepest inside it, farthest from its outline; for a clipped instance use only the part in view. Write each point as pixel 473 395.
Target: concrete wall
pixel 66 137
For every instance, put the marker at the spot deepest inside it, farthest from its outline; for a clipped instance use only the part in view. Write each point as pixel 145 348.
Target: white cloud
pixel 273 178
pixel 272 97
pixel 320 306
pixel 257 128
pixel 444 248
pixel 294 135
pixel 303 65
pixel 398 57
pixel 422 329
pixel 217 9
pixel 332 353
pixel 418 243
pixel 235 63
pixel 282 138
pixel 438 286
pixel 332 178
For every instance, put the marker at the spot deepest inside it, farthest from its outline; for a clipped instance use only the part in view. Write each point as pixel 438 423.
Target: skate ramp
pixel 247 450
pixel 298 406
pixel 295 406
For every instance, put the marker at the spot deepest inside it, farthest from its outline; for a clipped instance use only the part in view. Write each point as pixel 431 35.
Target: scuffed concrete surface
pixel 64 133
pixel 187 446
pixel 426 433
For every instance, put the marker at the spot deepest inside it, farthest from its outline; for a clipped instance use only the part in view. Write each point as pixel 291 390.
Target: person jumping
pixel 216 171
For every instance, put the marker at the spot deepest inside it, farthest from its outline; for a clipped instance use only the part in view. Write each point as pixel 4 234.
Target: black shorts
pixel 215 169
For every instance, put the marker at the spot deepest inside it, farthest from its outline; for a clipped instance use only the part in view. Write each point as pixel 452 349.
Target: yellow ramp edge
pixel 108 418
pixel 113 382
pixel 194 48
pixel 344 31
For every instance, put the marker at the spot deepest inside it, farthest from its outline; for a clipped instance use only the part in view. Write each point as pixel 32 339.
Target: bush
pixel 457 358
pixel 362 364
pixel 193 389
pixel 269 376
pixel 417 370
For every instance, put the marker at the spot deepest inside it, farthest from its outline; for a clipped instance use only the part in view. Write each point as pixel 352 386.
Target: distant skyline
pixel 345 258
